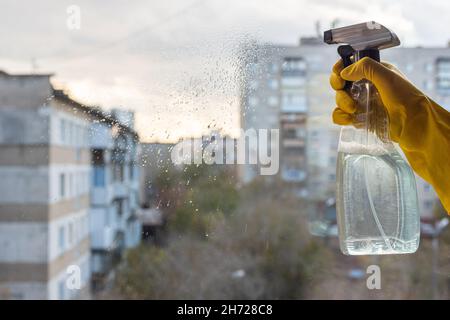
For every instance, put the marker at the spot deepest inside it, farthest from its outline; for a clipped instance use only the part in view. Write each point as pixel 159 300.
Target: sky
pixel 176 63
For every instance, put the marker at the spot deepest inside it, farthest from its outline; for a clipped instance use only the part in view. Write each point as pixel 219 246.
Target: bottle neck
pixel 370 114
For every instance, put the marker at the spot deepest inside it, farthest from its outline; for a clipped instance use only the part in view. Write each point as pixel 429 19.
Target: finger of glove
pixel 393 68
pixel 345 102
pixel 369 69
pixel 336 82
pixel 341 117
pixel 338 66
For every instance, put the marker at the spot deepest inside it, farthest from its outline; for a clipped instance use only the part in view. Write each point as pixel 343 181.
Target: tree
pixel 258 249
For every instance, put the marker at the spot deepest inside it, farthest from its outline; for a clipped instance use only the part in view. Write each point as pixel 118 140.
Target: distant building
pixel 44 191
pixel 69 185
pixel 287 88
pixel 155 158
pixel 114 188
pixel 115 208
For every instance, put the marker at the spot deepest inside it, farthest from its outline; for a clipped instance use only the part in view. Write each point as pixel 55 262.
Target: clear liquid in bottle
pixel 377 207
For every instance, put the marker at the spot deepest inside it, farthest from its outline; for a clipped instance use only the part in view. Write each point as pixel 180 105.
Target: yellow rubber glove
pixel 419 125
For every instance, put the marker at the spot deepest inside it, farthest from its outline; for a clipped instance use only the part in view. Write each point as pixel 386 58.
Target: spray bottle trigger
pixel 346 52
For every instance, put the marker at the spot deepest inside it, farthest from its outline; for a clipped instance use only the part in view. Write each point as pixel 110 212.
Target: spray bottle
pixel 376 197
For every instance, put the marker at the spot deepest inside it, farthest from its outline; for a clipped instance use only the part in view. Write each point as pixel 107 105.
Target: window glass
pixel 99 176
pixel 61 290
pixel 272 101
pixel 443 75
pixel 187 150
pixel 62 185
pixel 273 84
pixel 62 238
pixel 71 239
pixel 62 130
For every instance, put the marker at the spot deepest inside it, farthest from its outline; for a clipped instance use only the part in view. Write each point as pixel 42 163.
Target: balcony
pixel 293 175
pixel 120 190
pixel 294 67
pixel 293 81
pixel 294 108
pixel 293 142
pixel 102 239
pixel 100 136
pixel 101 196
pixel 299 118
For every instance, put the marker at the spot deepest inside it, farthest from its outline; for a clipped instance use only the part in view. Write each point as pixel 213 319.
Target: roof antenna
pixel 334 23
pixel 317 27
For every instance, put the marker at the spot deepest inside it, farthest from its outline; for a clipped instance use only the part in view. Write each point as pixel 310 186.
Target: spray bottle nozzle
pixel 362 36
pixel 361 40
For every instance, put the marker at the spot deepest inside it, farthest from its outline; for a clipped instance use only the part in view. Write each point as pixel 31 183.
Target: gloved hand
pixel 419 125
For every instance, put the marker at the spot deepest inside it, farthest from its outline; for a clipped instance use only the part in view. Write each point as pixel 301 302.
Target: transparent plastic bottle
pixel 377 207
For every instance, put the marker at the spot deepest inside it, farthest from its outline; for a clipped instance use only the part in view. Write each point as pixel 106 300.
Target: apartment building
pixel 114 186
pixel 44 192
pixel 69 190
pixel 287 88
pixel 274 97
pixel 114 215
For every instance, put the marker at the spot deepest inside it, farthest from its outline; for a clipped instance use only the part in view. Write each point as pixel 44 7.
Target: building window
pixel 71 233
pixel 409 67
pixel 98 156
pixel 86 136
pixel 69 132
pixel 300 132
pixel 79 135
pixel 70 188
pixel 428 204
pixel 252 101
pixel 273 84
pixel 61 238
pixel 62 185
pixel 293 174
pixel 274 67
pixel 293 102
pixel 78 154
pixel 131 168
pixel 273 101
pixel 294 67
pixel 290 133
pixel 253 84
pixel 443 75
pixel 61 289
pixel 294 133
pixel 332 161
pixel 294 151
pixel 99 176
pixel 62 130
